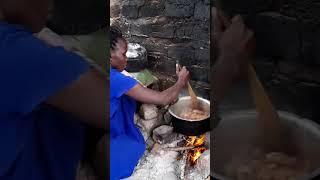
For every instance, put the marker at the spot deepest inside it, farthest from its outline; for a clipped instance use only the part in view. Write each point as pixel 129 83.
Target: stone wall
pixel 170 30
pixel 288 48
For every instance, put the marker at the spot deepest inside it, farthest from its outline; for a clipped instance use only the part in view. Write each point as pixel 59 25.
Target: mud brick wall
pixel 288 48
pixel 170 30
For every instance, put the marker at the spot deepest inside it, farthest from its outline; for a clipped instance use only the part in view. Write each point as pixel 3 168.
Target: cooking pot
pixel 237 131
pixel 186 126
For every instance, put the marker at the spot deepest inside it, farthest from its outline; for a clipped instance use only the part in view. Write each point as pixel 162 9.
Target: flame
pixel 191 140
pixel 198 143
pixel 197 153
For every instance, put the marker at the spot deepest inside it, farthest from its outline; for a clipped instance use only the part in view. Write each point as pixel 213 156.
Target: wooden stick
pixel 179 148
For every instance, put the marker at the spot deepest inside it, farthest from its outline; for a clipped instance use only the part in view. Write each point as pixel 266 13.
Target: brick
pixel 160 63
pixel 185 55
pixel 166 31
pixel 202 57
pixel 134 2
pixel 179 10
pixel 199 73
pixel 185 31
pixel 151 10
pixel 202 11
pixel 233 7
pixel 130 11
pixel 149 111
pixel 311 43
pixel 201 32
pixel 277 36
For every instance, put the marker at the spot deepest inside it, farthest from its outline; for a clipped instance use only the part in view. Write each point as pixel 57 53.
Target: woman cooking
pixel 126 142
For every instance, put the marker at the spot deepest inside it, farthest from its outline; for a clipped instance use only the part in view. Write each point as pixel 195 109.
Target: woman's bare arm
pixel 149 96
pixel 87 98
pixel 165 97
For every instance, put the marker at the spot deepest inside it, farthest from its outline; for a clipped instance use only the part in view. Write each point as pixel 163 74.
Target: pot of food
pixel 237 155
pixel 188 121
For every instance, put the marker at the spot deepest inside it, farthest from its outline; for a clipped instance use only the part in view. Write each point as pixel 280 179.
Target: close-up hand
pixel 234 41
pixel 183 76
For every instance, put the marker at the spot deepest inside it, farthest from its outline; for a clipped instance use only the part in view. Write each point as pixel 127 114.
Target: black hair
pixel 115 35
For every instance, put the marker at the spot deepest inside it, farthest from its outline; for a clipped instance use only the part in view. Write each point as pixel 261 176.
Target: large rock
pixel 167 117
pixel 202 11
pixel 163 134
pixel 149 111
pixel 130 11
pixel 277 36
pixel 311 43
pixel 147 126
pixel 182 9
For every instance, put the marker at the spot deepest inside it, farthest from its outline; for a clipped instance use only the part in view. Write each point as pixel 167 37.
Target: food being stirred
pixel 270 166
pixel 193 114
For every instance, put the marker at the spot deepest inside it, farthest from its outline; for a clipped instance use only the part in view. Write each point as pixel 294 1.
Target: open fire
pixel 198 144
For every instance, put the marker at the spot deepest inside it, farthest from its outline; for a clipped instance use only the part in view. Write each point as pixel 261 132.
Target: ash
pixel 160 163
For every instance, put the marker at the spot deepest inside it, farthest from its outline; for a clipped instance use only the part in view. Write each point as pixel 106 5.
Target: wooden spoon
pixel 194 99
pixel 273 136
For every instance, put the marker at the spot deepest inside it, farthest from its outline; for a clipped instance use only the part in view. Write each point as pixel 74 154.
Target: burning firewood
pixel 179 148
pixel 198 144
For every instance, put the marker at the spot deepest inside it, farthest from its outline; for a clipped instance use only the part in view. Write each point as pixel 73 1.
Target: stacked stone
pixel 288 48
pixel 170 30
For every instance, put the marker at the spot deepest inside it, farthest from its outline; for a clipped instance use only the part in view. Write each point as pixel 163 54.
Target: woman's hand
pixel 183 76
pixel 235 44
pixel 165 97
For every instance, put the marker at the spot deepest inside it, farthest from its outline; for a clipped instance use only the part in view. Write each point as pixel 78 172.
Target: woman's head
pixel 32 14
pixel 118 49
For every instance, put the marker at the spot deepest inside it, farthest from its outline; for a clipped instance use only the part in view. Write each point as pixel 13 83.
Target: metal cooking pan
pixel 186 126
pixel 237 131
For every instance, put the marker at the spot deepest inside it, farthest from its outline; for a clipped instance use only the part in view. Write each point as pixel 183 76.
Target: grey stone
pixel 167 117
pixel 115 11
pixel 233 7
pixel 181 1
pixel 202 11
pixel 179 10
pixel 136 118
pixel 199 73
pixel 185 54
pixel 161 64
pixel 130 11
pixel 148 126
pixel 162 133
pixel 151 10
pixel 166 31
pixel 185 31
pixel 149 111
pixel 157 45
pixel 150 143
pixel 202 57
pixel 311 43
pixel 134 2
pixel 277 36
pixel 201 32
pixel 144 29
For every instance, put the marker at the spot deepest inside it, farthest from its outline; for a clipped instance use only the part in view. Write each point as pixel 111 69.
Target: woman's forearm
pixel 170 94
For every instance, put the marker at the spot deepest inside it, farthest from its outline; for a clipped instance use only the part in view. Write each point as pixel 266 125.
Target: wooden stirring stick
pixel 273 136
pixel 194 99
